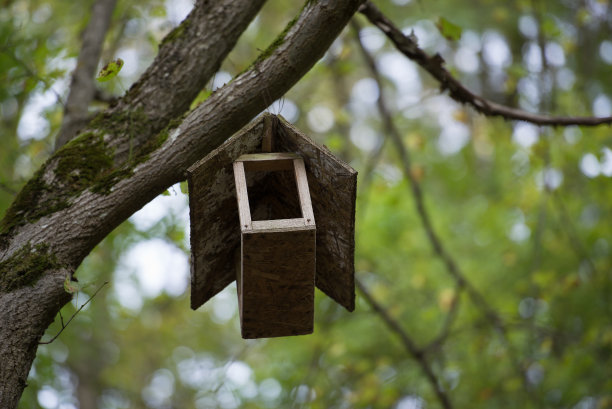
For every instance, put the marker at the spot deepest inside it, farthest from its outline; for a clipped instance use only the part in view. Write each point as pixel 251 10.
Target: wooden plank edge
pixel 242 196
pixel 303 191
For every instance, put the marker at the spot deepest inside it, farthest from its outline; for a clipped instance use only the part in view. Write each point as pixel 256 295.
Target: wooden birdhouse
pixel 275 211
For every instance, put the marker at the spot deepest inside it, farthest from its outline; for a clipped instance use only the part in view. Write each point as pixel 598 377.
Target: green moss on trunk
pixel 86 162
pixel 81 161
pixel 31 204
pixel 278 41
pixel 177 32
pixel 26 267
pixel 106 181
pixel 77 165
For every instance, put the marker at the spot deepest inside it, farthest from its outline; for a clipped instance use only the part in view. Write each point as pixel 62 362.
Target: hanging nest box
pixel 275 211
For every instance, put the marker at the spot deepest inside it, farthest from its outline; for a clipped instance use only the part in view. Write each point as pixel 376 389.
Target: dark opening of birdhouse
pixel 272 194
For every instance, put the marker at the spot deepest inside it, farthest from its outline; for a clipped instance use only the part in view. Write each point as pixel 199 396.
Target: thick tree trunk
pixel 25 315
pixel 130 154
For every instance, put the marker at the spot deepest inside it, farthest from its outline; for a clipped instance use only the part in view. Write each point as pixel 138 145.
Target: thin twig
pixel 409 345
pixel 445 332
pixel 417 194
pixel 7 188
pixel 73 315
pixel 567 224
pixel 457 91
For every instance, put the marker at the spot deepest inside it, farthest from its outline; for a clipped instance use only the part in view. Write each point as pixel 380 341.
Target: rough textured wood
pixel 276 290
pixel 215 230
pixel 333 190
pixel 267 144
pixel 276 278
pixel 332 186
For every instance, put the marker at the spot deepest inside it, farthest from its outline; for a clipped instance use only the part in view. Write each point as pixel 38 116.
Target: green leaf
pixel 184 187
pixel 110 70
pixel 166 193
pixel 450 31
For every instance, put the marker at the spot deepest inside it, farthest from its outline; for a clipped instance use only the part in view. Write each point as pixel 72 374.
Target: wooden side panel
pixel 333 189
pixel 277 283
pixel 213 211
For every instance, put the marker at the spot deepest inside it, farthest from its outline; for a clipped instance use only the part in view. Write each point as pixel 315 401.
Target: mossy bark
pixel 25 267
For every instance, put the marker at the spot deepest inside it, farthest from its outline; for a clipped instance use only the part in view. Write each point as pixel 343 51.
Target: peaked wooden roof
pixel 215 227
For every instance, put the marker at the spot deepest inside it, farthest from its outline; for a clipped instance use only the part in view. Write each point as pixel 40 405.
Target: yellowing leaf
pixel 446 299
pixel 450 31
pixel 68 287
pixel 417 172
pixel 110 70
pixel 461 115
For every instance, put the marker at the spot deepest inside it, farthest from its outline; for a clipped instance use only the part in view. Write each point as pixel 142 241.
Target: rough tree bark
pixel 132 152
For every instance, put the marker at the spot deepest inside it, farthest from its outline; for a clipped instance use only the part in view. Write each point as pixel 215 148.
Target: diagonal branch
pixel 461 281
pixel 417 193
pixel 82 86
pixel 457 91
pixel 409 344
pixel 445 332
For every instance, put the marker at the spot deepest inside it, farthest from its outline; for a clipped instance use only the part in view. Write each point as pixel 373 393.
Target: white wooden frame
pixel 272 162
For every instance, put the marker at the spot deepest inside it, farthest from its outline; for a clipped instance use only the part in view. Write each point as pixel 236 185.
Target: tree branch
pixel 70 209
pixel 82 86
pixel 457 91
pixel 409 344
pixel 73 315
pixel 461 281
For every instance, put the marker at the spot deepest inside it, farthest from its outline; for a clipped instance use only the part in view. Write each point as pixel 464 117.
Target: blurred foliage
pixel 525 211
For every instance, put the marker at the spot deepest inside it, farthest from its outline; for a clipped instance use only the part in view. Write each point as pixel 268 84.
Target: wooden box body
pixel 276 283
pixel 217 235
pixel 276 274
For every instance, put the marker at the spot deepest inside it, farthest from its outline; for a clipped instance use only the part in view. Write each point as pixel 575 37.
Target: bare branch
pixel 461 281
pixel 82 86
pixel 457 91
pixel 445 332
pixel 409 345
pixel 4 186
pixel 417 193
pixel 73 315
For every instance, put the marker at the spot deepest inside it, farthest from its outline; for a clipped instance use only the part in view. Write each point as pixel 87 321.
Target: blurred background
pixel 513 307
